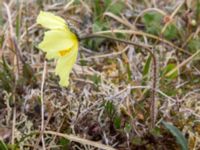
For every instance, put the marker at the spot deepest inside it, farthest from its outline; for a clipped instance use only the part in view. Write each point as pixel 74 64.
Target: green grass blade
pixel 181 140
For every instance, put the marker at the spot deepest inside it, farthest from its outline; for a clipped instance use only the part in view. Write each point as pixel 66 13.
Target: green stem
pixel 153 107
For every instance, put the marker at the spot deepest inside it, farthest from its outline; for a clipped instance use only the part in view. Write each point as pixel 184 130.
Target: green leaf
pixel 171 32
pixel 3 145
pixel 18 21
pixel 152 22
pixel 98 8
pixel 6 76
pixel 64 143
pixel 147 66
pixel 127 128
pixel 1 16
pixel 194 45
pixel 28 74
pixel 117 122
pixel 1 40
pixel 128 70
pixel 76 1
pixel 167 69
pixel 146 69
pixel 137 141
pixel 83 62
pixel 116 7
pixel 96 79
pixel 156 132
pixel 110 109
pixel 177 134
pixel 197 12
pixel 98 25
pixel 107 3
pixel 152 17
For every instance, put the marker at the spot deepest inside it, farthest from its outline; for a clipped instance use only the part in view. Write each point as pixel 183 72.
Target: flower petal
pixel 57 40
pixel 51 55
pixel 51 21
pixel 65 64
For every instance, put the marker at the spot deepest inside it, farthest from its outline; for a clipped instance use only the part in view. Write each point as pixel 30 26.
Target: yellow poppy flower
pixel 59 43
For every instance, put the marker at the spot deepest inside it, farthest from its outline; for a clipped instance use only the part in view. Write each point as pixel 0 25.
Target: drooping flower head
pixel 59 43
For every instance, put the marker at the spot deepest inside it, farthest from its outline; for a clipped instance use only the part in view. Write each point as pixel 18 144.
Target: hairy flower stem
pixel 153 107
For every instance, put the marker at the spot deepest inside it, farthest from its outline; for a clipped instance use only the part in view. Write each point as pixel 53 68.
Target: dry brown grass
pixel 107 83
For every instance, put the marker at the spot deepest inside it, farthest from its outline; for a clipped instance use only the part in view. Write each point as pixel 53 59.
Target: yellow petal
pixel 57 40
pixel 51 55
pixel 65 64
pixel 51 21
